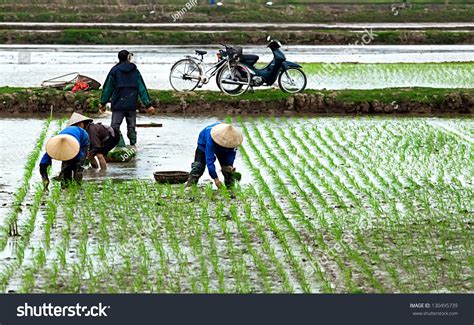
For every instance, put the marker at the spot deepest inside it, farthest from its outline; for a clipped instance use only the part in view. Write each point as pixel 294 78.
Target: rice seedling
pixel 10 226
pixel 334 205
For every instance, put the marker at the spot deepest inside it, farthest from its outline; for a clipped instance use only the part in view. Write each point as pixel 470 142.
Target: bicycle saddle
pixel 201 52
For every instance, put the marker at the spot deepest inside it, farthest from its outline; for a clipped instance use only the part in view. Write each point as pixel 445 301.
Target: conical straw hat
pixel 227 136
pixel 77 118
pixel 62 147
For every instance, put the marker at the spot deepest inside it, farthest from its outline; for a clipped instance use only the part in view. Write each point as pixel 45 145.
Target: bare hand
pixel 101 108
pixel 218 183
pixel 151 110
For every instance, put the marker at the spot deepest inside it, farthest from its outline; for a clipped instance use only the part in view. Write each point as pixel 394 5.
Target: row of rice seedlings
pixel 172 221
pixel 373 259
pixel 315 231
pixel 268 246
pixel 261 266
pixel 431 200
pixel 335 228
pixel 388 223
pixel 392 272
pixel 424 192
pixel 305 286
pixel 10 227
pixel 211 234
pixel 26 231
pixel 162 269
pixel 340 222
pixel 238 265
pixel 190 230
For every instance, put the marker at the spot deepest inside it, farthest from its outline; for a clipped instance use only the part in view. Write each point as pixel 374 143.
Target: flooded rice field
pixel 374 66
pixel 326 205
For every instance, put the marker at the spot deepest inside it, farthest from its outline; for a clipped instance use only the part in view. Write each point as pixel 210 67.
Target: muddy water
pixel 17 139
pixel 170 147
pixel 29 65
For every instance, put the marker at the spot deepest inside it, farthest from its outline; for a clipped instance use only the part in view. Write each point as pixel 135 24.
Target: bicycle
pixel 191 73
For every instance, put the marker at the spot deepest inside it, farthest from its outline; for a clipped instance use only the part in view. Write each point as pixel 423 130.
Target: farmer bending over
pixel 102 140
pixel 124 84
pixel 70 146
pixel 217 140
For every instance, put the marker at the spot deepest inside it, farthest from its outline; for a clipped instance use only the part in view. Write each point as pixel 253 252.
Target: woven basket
pixel 171 177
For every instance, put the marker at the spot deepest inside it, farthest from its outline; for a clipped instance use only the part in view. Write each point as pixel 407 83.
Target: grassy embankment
pixel 400 95
pixel 369 11
pixel 155 37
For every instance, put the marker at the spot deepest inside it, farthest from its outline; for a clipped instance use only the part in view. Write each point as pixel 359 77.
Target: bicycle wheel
pixel 234 81
pixel 185 75
pixel 292 80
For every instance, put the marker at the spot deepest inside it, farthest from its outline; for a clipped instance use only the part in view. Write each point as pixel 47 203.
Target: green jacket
pixel 123 86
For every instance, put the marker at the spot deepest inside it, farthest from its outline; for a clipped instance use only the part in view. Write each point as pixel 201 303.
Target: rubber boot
pixel 192 180
pixel 132 136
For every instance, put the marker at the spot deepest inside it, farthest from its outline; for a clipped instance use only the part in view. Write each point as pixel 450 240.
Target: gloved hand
pixel 218 183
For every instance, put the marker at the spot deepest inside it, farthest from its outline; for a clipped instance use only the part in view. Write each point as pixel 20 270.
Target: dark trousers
pixel 72 170
pixel 199 166
pixel 131 119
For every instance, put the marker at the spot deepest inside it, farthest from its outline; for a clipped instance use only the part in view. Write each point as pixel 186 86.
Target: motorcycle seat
pixel 250 59
pixel 199 52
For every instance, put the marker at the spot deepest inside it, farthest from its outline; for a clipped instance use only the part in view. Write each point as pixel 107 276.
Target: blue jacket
pixel 212 149
pixel 81 136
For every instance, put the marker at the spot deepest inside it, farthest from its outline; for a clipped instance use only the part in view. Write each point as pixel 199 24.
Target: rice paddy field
pixel 328 205
pixel 327 67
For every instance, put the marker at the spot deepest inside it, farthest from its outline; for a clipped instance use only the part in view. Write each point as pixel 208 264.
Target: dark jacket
pixel 98 135
pixel 212 149
pixel 124 84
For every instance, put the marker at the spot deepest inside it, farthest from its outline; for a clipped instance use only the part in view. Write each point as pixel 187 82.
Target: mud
pixel 197 104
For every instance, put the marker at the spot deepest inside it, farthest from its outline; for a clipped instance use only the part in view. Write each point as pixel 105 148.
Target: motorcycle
pixel 241 74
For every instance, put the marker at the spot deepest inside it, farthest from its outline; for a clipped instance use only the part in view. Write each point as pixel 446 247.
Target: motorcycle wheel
pixel 237 73
pixel 292 80
pixel 185 75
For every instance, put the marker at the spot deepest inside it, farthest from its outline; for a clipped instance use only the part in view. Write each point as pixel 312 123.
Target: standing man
pixel 70 146
pixel 218 140
pixel 124 84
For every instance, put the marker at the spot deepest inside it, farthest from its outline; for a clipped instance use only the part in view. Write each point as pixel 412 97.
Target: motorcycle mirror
pixel 269 38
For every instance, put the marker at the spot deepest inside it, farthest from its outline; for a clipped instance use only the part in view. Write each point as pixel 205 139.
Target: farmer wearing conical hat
pixel 70 146
pixel 219 140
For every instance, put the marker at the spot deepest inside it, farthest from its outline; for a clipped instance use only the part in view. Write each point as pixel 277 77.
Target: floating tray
pixel 171 177
pixel 121 154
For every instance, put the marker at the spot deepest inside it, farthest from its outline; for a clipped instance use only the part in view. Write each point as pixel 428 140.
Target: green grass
pixel 367 11
pixel 147 37
pixel 388 95
pixel 334 205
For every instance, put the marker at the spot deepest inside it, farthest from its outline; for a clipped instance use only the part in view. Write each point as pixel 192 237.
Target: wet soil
pixel 403 101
